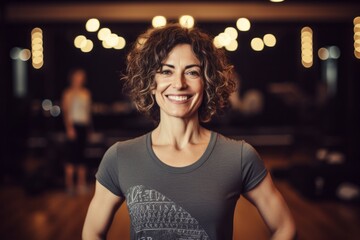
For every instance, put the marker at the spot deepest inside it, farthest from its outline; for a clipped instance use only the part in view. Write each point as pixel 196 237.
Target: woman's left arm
pixel 273 209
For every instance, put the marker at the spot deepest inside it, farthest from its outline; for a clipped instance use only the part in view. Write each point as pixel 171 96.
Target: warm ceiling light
pixel 243 24
pixel 92 25
pixel 103 33
pixel 217 43
pixel 121 43
pixel 257 44
pixel 158 21
pixel 269 40
pixel 88 46
pixel 276 1
pixel 232 46
pixel 224 39
pixel 80 41
pixel 25 55
pixel 323 54
pixel 187 21
pixel 232 32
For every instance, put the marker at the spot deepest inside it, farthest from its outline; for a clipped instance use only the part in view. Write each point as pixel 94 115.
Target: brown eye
pixel 193 73
pixel 166 72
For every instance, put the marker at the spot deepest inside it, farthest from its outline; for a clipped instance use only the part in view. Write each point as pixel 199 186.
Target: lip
pixel 178 98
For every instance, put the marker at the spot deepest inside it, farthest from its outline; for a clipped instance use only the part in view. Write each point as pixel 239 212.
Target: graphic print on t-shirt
pixel 156 217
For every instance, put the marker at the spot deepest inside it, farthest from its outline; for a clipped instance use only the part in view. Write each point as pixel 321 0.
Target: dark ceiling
pixel 182 1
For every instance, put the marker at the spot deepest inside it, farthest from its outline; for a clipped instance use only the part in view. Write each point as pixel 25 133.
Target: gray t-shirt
pixel 185 203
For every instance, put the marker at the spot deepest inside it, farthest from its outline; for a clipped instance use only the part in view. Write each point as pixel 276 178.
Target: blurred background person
pixel 76 105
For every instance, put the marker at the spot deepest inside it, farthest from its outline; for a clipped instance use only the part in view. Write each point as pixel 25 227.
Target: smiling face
pixel 179 84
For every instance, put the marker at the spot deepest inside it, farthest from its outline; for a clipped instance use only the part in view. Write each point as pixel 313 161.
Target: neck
pixel 179 131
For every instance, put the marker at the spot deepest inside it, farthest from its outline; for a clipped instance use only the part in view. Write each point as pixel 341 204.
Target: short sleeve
pixel 107 174
pixel 253 168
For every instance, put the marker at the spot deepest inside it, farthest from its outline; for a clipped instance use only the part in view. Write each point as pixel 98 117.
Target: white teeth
pixel 178 98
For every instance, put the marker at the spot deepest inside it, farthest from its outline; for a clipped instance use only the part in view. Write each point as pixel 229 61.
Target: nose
pixel 179 82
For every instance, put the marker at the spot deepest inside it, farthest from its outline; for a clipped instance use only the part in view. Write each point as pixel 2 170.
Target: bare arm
pixel 65 105
pixel 100 214
pixel 273 209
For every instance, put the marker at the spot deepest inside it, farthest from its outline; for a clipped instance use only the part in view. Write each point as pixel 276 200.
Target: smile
pixel 178 98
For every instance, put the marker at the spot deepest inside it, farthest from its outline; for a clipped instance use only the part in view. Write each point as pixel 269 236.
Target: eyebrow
pixel 188 66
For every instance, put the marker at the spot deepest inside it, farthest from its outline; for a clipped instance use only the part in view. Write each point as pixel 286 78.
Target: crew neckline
pixel 187 168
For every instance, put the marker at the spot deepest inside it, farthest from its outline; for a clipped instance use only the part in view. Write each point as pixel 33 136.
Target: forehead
pixel 181 53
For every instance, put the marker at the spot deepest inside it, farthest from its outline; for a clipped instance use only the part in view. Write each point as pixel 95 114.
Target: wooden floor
pixel 55 215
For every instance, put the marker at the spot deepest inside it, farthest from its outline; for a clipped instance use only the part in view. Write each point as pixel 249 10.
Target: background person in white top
pixel 76 105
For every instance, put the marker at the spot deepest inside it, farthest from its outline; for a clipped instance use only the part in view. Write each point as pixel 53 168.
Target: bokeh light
pixel 232 32
pixel 88 46
pixel 269 40
pixel 257 44
pixel 121 43
pixel 46 104
pixel 92 25
pixel 24 55
pixel 187 21
pixel 243 24
pixel 323 53
pixel 103 33
pixel 306 47
pixel 158 21
pixel 232 46
pixel 80 41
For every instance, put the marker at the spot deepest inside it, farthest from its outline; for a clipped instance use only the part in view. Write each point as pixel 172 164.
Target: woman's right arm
pixel 100 214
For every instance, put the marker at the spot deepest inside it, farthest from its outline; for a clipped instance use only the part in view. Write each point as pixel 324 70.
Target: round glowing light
pixel 306 39
pixel 37 47
pixel 276 1
pixel 306 30
pixel 24 55
pixel 224 39
pixel 36 35
pixel 37 41
pixel 37 60
pixel 55 111
pixel 306 64
pixel 323 54
pixel 334 52
pixel 232 32
pixel 243 24
pixel 121 43
pixel 217 42
pixel 88 46
pixel 46 104
pixel 307 59
pixel 37 53
pixel 80 41
pixel 105 45
pixel 38 66
pixel 232 46
pixel 357 48
pixel 257 44
pixel 14 53
pixel 187 21
pixel 112 40
pixel 103 34
pixel 92 25
pixel 36 30
pixel 307 52
pixel 357 54
pixel 158 21
pixel 357 20
pixel 269 40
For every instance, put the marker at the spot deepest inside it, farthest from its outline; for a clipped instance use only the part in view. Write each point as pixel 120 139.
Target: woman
pixel 181 181
pixel 76 105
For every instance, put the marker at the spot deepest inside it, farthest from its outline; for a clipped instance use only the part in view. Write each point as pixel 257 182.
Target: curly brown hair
pixel 152 48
